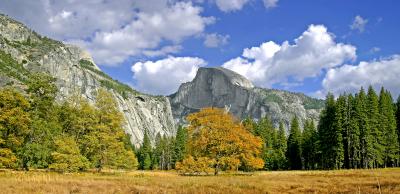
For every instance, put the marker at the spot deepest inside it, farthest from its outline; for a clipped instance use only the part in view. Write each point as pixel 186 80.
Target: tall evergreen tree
pixel 309 145
pixel 265 130
pixel 280 148
pixel 398 128
pixel 145 152
pixel 375 134
pixel 180 144
pixel 340 123
pixel 346 129
pixel 330 134
pixel 366 143
pixel 157 161
pixel 293 152
pixel 354 133
pixel 388 125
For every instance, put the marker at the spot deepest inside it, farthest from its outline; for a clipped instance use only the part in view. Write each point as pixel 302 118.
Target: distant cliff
pixel 23 51
pixel 219 87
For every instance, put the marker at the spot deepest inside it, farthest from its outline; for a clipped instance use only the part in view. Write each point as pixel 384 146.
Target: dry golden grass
pixel 343 181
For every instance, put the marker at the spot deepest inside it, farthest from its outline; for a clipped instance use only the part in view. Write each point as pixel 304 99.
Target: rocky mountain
pixel 223 88
pixel 23 51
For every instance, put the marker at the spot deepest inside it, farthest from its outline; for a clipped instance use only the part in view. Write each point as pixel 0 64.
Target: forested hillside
pixel 38 132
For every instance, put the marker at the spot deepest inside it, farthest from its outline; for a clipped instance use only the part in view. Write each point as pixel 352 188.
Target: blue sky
pixel 155 45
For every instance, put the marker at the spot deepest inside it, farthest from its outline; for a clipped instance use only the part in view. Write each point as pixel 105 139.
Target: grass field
pixel 342 181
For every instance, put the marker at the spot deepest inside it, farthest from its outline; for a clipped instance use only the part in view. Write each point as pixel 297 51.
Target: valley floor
pixel 341 181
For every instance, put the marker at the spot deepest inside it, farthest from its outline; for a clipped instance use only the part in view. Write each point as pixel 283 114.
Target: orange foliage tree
pixel 219 140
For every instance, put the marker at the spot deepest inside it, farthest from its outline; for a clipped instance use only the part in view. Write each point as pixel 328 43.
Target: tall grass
pixel 342 181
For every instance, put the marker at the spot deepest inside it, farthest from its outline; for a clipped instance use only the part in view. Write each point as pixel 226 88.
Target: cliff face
pixel 219 87
pixel 23 51
pixel 76 73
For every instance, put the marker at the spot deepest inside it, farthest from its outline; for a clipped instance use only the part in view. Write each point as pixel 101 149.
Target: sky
pixel 309 46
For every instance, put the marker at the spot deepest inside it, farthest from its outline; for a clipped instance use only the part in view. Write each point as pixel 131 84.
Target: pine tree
pixel 145 152
pixel 265 130
pixel 280 148
pixel 309 145
pixel 146 162
pixel 375 135
pixel 366 143
pixel 354 133
pixel 330 134
pixel 157 161
pixel 180 144
pixel 388 125
pixel 346 129
pixel 339 126
pixel 398 128
pixel 293 152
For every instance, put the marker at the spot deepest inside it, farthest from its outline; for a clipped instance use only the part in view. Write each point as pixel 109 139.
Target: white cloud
pixel 359 24
pixel 113 30
pixel 349 78
pixel 164 76
pixel 172 23
pixel 215 40
pixel 314 51
pixel 163 51
pixel 230 5
pixel 270 3
pixel 70 19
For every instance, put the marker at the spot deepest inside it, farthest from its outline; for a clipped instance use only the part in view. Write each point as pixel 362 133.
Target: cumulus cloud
pixel 270 63
pixel 359 24
pixel 270 3
pixel 230 5
pixel 348 78
pixel 113 30
pixel 70 19
pixel 163 51
pixel 215 40
pixel 164 76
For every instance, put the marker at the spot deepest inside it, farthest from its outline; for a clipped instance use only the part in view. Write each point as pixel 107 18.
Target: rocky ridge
pixel 23 51
pixel 223 88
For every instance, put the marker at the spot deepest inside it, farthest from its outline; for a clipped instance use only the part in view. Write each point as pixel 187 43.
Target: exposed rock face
pixel 219 87
pixel 76 73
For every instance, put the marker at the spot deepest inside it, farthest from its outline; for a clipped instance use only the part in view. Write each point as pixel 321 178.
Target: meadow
pixel 337 181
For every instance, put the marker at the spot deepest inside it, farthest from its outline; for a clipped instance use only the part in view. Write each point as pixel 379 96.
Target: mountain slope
pixel 219 87
pixel 23 51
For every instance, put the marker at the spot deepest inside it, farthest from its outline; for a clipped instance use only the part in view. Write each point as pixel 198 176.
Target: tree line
pixel 38 132
pixel 359 130
pixel 354 131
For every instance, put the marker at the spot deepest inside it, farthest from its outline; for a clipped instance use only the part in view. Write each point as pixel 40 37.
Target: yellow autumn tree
pixel 220 142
